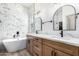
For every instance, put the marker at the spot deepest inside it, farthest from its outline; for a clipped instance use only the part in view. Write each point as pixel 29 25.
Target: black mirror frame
pixel 74 14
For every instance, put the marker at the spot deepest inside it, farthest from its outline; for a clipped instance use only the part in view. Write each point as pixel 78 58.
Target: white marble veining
pixel 65 39
pixel 13 17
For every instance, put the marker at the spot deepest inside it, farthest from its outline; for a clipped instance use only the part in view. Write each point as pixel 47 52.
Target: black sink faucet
pixel 36 32
pixel 61 33
pixel 61 28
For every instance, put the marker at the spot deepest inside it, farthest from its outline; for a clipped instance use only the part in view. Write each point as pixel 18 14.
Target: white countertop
pixel 64 39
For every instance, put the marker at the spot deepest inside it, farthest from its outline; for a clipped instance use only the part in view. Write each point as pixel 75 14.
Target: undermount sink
pixel 62 38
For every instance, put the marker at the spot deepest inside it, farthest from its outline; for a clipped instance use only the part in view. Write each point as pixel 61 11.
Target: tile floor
pixel 23 52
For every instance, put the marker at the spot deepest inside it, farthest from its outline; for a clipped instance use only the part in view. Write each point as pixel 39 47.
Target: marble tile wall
pixel 13 18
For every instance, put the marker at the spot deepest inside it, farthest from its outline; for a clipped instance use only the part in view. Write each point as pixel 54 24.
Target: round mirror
pixel 65 18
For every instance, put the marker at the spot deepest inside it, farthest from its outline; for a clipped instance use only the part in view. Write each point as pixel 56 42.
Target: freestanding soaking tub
pixel 13 45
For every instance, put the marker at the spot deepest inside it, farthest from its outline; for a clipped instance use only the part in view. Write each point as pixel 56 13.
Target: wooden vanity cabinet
pixel 59 53
pixel 45 47
pixel 34 45
pixel 37 47
pixel 29 44
pixel 61 49
pixel 48 51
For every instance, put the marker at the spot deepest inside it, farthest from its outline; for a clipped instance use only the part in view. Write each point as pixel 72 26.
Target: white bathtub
pixel 13 45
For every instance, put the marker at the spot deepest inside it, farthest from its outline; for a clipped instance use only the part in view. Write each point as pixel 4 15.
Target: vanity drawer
pixel 37 51
pixel 37 48
pixel 37 44
pixel 69 49
pixel 38 39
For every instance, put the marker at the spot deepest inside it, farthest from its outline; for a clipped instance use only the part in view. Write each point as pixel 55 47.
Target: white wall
pixel 46 13
pixel 14 17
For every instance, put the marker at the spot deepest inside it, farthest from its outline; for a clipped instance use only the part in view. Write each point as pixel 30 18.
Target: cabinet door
pixel 31 44
pixel 48 51
pixel 28 44
pixel 59 53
